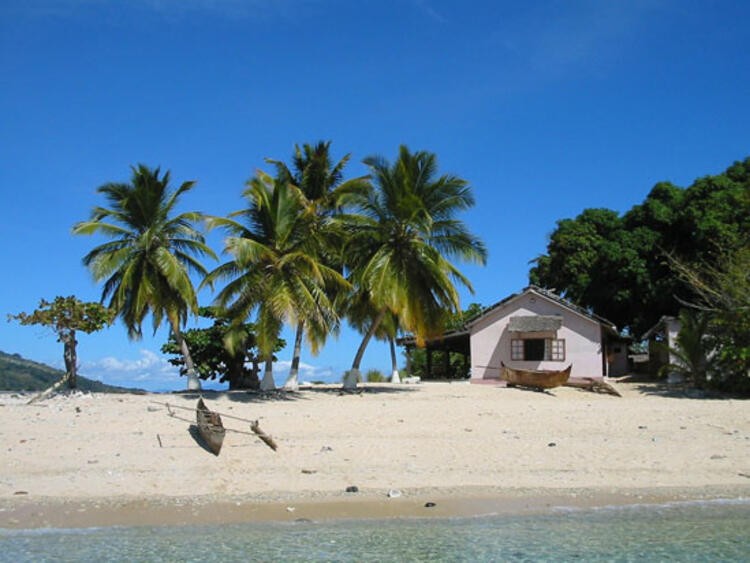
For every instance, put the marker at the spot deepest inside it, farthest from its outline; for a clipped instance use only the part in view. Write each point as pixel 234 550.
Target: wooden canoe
pixel 536 379
pixel 210 427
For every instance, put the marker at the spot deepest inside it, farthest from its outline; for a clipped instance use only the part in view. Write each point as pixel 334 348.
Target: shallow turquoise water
pixel 712 531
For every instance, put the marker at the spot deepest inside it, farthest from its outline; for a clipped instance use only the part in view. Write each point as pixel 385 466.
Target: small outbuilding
pixel 662 340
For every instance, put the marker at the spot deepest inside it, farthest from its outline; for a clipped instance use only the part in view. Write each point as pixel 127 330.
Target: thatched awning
pixel 451 341
pixel 535 323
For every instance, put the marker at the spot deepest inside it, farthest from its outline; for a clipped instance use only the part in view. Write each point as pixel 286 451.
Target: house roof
pixel 546 294
pixel 457 339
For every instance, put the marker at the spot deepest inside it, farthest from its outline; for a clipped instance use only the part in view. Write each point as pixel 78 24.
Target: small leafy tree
pixel 65 316
pixel 214 358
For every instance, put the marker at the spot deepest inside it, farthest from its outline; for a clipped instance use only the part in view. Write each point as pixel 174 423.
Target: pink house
pixel 534 329
pixel 537 329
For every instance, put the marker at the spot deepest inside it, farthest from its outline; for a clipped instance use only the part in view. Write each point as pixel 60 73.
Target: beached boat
pixel 210 427
pixel 536 379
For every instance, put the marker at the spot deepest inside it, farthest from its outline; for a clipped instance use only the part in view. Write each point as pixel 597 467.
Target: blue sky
pixel 546 107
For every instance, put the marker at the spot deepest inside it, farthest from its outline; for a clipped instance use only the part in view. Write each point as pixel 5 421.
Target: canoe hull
pixel 210 427
pixel 537 379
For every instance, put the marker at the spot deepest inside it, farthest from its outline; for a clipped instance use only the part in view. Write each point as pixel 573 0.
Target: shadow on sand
pixel 196 435
pixel 660 388
pixel 304 393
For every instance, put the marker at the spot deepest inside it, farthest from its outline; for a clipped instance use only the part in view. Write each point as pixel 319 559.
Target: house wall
pixel 660 345
pixel 490 339
pixel 618 359
pixel 672 329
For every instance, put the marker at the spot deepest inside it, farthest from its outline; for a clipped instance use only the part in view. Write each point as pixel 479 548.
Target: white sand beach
pixel 99 459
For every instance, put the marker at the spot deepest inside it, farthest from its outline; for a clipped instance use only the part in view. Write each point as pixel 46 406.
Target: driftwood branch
pixel 593 385
pixel 255 427
pixel 49 390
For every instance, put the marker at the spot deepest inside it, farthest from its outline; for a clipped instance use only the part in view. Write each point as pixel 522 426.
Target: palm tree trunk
pixel 193 382
pixel 395 378
pixel 268 384
pixel 292 381
pixel 351 378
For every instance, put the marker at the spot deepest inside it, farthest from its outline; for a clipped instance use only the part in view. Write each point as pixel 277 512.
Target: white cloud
pixel 307 372
pixel 427 8
pixel 151 371
pixel 553 39
pixel 154 373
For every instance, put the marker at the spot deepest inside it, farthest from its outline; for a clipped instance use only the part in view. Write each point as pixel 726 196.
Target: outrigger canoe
pixel 536 379
pixel 210 427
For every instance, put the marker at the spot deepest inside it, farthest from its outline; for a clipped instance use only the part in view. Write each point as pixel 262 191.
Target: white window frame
pixel 554 349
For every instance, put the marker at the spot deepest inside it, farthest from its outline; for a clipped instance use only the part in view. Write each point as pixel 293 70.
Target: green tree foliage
pixel 275 269
pixel 403 237
pixel 721 294
pixel 322 183
pixel 691 356
pixel 616 265
pixel 458 321
pixel 65 316
pixel 145 266
pixel 214 358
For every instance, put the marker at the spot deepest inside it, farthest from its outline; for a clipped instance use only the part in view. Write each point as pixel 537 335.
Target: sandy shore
pixel 92 459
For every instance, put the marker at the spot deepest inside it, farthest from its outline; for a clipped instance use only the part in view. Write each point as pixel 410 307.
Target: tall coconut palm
pixel 146 266
pixel 274 268
pixel 321 182
pixel 403 238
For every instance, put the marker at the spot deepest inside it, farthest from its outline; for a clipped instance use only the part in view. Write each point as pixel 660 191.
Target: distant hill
pixel 20 374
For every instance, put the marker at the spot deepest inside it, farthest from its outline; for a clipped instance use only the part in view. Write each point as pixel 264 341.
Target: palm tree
pixel 321 182
pixel 274 268
pixel 402 241
pixel 360 312
pixel 146 265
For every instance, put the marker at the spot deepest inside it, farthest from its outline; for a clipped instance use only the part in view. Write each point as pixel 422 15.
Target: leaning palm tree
pixel 360 311
pixel 274 269
pixel 145 267
pixel 402 240
pixel 322 183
